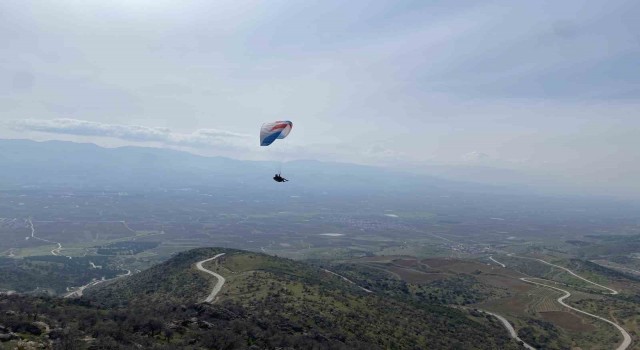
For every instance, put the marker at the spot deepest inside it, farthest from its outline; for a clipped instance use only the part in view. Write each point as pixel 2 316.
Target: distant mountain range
pixel 68 165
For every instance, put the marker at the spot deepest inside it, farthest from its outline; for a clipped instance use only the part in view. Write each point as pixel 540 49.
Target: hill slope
pixel 274 302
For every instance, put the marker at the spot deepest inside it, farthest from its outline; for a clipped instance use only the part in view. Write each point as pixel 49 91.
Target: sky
pixel 547 92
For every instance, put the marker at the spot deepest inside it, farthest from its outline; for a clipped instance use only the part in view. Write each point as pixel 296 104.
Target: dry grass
pixel 568 321
pixel 416 276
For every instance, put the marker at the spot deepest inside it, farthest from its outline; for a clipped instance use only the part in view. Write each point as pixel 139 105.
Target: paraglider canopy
pixel 273 131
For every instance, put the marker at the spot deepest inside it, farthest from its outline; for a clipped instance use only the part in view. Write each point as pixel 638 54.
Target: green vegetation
pixel 430 259
pixel 600 273
pixel 542 335
pixel 175 279
pixel 270 302
pixel 418 285
pixel 126 248
pixel 53 273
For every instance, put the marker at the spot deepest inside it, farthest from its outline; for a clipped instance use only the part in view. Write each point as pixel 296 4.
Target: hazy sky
pixel 546 88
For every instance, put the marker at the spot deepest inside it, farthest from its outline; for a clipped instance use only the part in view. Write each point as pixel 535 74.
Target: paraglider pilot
pixel 269 132
pixel 279 178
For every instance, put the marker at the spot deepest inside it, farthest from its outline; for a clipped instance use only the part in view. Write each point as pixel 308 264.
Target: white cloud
pixel 476 157
pixel 136 133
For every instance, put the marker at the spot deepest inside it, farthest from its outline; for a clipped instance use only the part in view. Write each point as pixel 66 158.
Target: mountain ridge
pixel 63 164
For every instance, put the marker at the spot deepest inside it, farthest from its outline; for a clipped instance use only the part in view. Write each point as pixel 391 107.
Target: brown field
pixel 514 305
pixel 567 321
pixel 504 281
pixel 415 276
pixel 406 262
pixel 438 263
pixel 380 258
pixel 470 267
pixel 546 304
pixel 509 296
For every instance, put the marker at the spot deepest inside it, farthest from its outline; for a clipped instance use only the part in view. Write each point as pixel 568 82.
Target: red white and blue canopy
pixel 273 131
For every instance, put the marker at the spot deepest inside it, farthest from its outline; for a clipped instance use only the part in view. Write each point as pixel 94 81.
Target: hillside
pixel 269 302
pixel 52 274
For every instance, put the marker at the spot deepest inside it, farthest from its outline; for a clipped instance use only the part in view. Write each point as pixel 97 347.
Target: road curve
pixel 219 284
pixel 626 337
pixel 54 250
pixel 611 291
pixel 509 327
pixel 77 293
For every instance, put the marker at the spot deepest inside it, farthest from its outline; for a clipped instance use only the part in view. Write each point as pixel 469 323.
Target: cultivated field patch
pixel 415 276
pixel 567 321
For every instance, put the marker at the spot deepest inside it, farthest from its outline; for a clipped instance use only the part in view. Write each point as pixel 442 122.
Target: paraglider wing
pixel 273 131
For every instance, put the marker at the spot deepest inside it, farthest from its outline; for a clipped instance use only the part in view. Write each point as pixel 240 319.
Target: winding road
pixel 219 284
pixel 77 293
pixel 509 327
pixel 611 291
pixel 626 341
pixel 626 337
pixel 54 251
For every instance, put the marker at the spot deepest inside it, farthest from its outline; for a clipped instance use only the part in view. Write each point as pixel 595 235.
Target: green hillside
pixel 274 302
pixel 266 303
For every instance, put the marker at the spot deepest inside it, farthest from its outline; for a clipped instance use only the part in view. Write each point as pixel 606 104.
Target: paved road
pixel 348 280
pixel 626 337
pixel 509 327
pixel 55 251
pixel 496 261
pixel 611 291
pixel 77 293
pixel 219 284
